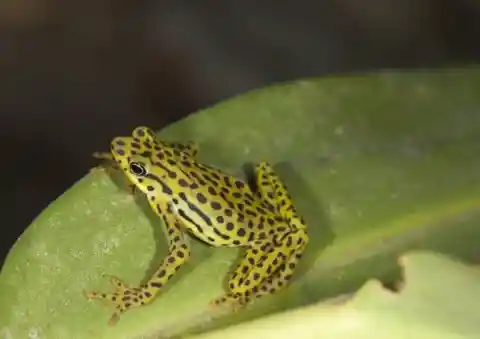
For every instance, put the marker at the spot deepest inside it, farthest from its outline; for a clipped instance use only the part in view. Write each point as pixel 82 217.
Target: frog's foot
pixel 229 301
pixel 124 298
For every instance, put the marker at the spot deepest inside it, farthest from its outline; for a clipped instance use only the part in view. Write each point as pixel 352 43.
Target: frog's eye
pixel 138 169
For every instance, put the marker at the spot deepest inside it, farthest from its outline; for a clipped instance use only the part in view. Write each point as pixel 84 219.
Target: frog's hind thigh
pixel 272 190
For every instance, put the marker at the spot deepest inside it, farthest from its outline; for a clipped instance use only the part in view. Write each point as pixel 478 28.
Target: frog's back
pixel 221 209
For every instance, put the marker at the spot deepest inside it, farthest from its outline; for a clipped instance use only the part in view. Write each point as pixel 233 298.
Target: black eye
pixel 138 169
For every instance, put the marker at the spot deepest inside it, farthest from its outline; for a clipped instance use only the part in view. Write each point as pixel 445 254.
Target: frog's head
pixel 148 163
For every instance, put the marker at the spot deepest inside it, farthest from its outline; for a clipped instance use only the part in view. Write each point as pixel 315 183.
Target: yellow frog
pixel 216 208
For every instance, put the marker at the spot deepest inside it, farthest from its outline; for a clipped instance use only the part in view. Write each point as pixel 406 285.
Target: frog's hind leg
pixel 266 267
pixel 243 282
pixel 274 192
pixel 283 275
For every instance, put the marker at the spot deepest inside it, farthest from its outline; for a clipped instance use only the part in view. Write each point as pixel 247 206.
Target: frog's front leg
pixel 267 266
pixel 125 297
pixel 280 279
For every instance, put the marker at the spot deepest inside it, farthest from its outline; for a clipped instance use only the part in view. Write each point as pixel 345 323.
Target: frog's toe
pixel 228 301
pixel 114 318
pixel 90 294
pixel 124 298
pixel 119 284
pixel 101 296
pixel 217 302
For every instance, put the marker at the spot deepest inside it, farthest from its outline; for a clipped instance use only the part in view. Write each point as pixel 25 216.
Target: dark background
pixel 75 73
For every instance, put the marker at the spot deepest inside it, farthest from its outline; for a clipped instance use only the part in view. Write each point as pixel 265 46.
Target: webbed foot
pixel 229 302
pixel 124 298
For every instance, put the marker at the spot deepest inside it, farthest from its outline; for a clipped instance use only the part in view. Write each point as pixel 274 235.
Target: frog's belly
pixel 204 227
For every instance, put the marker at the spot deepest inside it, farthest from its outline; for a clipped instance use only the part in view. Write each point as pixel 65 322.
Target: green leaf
pixel 439 301
pixel 377 164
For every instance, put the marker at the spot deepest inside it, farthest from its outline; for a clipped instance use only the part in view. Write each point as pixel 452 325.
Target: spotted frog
pixel 223 211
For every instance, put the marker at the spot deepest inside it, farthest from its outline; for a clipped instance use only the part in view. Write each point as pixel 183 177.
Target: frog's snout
pixel 118 146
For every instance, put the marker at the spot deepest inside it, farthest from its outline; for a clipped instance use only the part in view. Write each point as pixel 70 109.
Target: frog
pixel 221 210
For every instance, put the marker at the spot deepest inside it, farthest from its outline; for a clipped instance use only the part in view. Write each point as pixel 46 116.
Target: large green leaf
pixel 426 307
pixel 377 164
